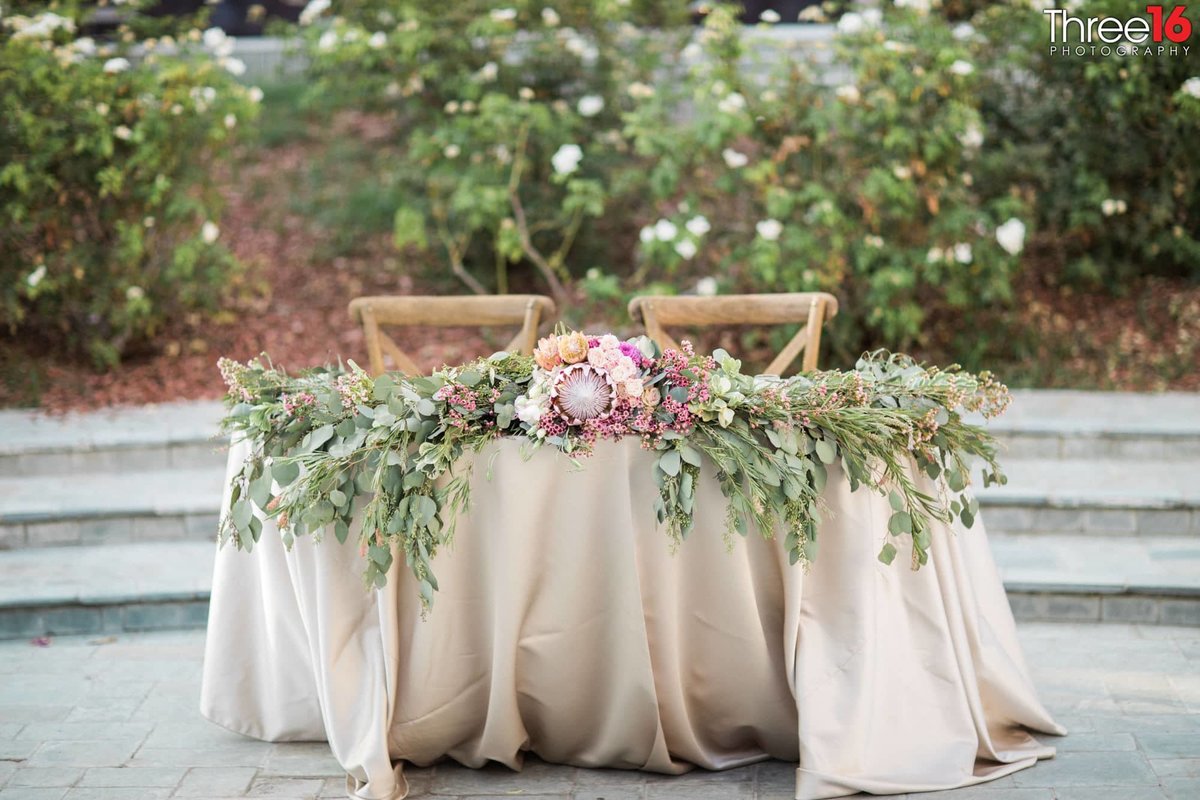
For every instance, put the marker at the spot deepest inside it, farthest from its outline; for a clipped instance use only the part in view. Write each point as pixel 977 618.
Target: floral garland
pixel 327 437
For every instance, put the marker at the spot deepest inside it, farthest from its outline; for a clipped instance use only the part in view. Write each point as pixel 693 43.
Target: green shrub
pixel 107 217
pixel 1104 146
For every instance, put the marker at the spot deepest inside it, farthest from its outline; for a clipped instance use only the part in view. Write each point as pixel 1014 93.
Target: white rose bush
pixel 106 204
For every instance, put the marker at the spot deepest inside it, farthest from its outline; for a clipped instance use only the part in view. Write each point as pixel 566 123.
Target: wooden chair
pixel 811 308
pixel 526 310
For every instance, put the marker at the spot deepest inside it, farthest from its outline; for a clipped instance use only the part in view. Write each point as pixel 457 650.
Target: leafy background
pixel 418 155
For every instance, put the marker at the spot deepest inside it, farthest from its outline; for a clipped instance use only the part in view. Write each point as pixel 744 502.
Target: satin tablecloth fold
pixel 566 627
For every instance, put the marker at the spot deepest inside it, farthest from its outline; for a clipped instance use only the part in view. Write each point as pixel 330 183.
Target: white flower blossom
pixel 503 14
pixel 230 121
pixel 698 225
pixel 962 68
pixel 581 48
pixel 550 17
pixel 35 277
pixel 706 286
pixel 1111 207
pixel 665 230
pixel 1011 236
pixel 872 17
pixel 963 253
pixel 873 241
pixel 115 65
pixel 734 159
pixel 640 91
pixel 255 94
pixel 646 234
pixel 525 93
pixel 102 109
pixel 328 41
pixel 135 293
pixel 452 151
pixel 920 6
pixel 848 93
pixel 377 40
pixel 1191 87
pixel 566 159
pixel 234 66
pixel 686 249
pixel 216 40
pixel 209 232
pixel 313 10
pixel 488 72
pixel 84 45
pixel 732 103
pixel 769 229
pixel 902 172
pixel 770 17
pixel 963 31
pixel 451 107
pixel 123 133
pixel 851 23
pixel 972 137
pixel 590 105
pixel 935 255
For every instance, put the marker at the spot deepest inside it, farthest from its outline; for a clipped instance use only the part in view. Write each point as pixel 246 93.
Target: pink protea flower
pixel 546 353
pixel 573 347
pixel 581 393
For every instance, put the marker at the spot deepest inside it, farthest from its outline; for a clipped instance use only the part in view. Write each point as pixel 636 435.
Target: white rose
pixel 234 66
pixel 377 40
pixel 230 121
pixel 698 226
pixel 706 286
pixel 327 42
pixel 209 232
pixel 686 249
pixel 633 388
pixel 1011 236
pixel 665 230
pixel 566 159
pixel 590 105
pixel 734 159
pixel 313 10
pixel 732 103
pixel 255 94
pixel 769 229
pixel 962 253
pixel 851 23
pixel 122 132
pixel 550 17
pixel 646 234
pixel 770 17
pixel 962 68
pixel 972 137
pixel 115 65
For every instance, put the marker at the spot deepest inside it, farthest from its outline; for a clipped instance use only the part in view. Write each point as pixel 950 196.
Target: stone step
pixel 165 436
pixel 160 585
pixel 1069 424
pixel 96 508
pixel 1096 496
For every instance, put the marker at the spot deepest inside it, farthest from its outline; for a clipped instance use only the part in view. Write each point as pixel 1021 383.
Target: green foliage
pixel 106 210
pixel 1104 146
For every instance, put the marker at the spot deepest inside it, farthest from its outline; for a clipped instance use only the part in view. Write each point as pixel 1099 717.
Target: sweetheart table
pixel 568 626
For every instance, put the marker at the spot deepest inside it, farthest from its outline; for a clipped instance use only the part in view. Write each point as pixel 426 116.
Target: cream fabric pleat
pixel 566 626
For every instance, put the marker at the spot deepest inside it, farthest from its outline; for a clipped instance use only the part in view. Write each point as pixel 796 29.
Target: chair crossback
pixel 525 310
pixel 656 312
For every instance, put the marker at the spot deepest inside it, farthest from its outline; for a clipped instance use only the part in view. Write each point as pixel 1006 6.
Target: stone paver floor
pixel 116 719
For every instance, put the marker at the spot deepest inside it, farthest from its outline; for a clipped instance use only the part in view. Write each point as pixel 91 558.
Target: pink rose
pixel 633 388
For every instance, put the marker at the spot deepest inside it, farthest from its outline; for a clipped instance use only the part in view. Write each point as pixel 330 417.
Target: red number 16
pixel 1177 27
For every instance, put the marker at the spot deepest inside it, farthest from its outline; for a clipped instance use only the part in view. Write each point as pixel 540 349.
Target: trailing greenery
pixel 330 448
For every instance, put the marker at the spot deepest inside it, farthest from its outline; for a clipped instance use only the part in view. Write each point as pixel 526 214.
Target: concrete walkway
pixel 116 719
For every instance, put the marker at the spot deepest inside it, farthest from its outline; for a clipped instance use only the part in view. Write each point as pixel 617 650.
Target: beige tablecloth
pixel 566 627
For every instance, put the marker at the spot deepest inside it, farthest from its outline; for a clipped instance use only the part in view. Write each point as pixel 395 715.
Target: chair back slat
pixel 656 312
pixel 525 310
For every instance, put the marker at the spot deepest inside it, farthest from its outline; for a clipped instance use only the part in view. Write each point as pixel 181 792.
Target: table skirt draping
pixel 565 626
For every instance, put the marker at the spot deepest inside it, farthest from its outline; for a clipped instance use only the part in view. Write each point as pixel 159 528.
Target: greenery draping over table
pixel 322 439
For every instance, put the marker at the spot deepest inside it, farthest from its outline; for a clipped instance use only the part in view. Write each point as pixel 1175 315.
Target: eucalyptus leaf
pixel 888 554
pixel 669 462
pixel 899 523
